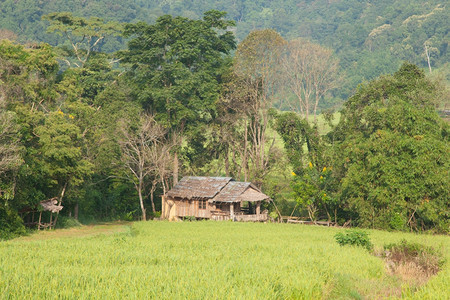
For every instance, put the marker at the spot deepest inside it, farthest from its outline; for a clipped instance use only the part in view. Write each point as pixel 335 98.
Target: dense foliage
pixel 369 38
pixel 78 131
pixel 384 165
pixel 391 153
pixel 105 133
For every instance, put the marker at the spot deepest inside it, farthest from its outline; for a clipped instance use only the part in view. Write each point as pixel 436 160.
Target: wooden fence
pixel 239 217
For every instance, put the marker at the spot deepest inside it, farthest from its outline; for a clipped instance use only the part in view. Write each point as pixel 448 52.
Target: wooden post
pixel 175 168
pixel 51 217
pixel 40 217
pixel 258 208
pixel 232 211
pixel 163 207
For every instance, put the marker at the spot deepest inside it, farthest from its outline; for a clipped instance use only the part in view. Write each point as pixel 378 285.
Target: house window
pixel 202 204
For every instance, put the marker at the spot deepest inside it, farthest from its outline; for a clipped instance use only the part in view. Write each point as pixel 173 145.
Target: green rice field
pixel 206 260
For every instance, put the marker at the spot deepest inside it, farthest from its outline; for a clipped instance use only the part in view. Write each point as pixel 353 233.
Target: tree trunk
pixel 161 177
pixel 315 105
pixel 428 58
pixel 292 213
pixel 75 211
pixel 152 191
pixel 335 216
pixel 164 214
pixel 175 168
pixel 62 193
pixel 227 163
pixel 141 200
pixel 60 201
pixel 278 212
pixel 328 214
pixel 244 160
pixel 307 110
pixel 312 212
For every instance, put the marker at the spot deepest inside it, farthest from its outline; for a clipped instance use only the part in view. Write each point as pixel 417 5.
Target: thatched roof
pixel 51 205
pixel 236 191
pixel 252 194
pixel 216 189
pixel 231 192
pixel 191 187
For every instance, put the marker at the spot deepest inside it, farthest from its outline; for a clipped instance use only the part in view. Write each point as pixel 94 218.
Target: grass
pixel 83 231
pixel 205 260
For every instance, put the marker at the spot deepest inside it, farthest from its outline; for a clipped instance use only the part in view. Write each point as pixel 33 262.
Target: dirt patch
pixel 86 230
pixel 414 264
pixel 408 272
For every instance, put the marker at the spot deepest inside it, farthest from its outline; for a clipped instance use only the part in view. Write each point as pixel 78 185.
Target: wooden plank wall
pixel 191 208
pixel 188 208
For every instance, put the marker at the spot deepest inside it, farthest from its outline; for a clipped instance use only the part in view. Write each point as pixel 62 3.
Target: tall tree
pixel 84 35
pixel 392 155
pixel 48 126
pixel 144 155
pixel 60 157
pixel 10 158
pixel 309 71
pixel 313 184
pixel 255 84
pixel 177 64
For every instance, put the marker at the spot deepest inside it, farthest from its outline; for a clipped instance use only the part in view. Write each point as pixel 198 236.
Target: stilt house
pixel 216 198
pixel 44 210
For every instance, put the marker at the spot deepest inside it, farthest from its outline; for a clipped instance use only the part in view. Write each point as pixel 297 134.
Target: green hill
pixel 370 38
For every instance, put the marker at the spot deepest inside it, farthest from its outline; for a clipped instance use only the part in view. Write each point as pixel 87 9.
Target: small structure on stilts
pixel 30 218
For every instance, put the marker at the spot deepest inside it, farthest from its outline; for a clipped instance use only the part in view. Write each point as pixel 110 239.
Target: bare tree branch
pixel 146 155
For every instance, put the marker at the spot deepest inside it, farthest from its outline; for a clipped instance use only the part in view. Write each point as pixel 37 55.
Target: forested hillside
pixel 370 38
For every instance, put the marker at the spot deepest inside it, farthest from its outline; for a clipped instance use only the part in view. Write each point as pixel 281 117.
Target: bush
pixel 426 258
pixel 155 215
pixel 397 222
pixel 11 225
pixel 67 222
pixel 129 216
pixel 355 238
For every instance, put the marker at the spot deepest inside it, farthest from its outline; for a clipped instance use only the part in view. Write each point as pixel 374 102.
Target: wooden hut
pixel 28 214
pixel 216 198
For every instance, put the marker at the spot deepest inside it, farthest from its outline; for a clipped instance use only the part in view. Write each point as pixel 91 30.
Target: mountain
pixel 370 37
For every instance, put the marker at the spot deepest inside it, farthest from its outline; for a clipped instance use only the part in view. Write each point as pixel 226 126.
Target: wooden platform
pixel 239 217
pixel 309 222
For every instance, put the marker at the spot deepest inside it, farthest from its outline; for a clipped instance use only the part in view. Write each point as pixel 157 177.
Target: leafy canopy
pixel 392 151
pixel 177 64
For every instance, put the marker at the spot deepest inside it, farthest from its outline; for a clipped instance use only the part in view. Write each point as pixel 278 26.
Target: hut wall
pixel 168 208
pixel 188 208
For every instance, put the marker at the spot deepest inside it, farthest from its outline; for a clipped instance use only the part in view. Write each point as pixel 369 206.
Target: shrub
pixel 67 222
pixel 354 238
pixel 11 225
pixel 397 222
pixel 129 216
pixel 155 215
pixel 426 258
